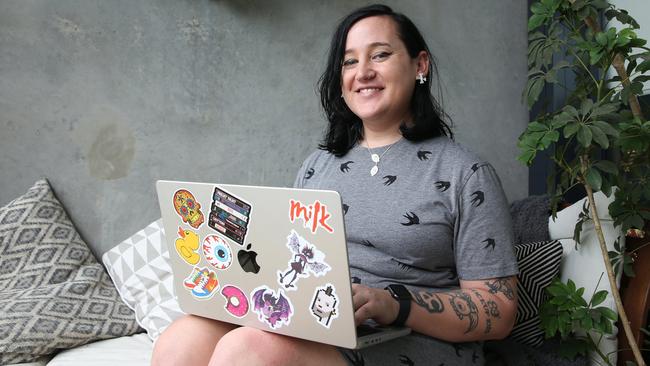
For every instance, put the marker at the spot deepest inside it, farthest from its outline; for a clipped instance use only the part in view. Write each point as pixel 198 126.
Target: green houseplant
pixel 597 139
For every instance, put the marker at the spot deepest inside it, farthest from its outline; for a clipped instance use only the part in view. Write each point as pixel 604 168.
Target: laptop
pixel 270 258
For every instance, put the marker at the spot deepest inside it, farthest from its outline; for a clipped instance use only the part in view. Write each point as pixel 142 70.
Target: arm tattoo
pixel 490 308
pixel 464 307
pixel 429 300
pixel 501 285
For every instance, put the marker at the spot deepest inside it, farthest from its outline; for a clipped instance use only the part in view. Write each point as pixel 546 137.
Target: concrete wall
pixel 105 97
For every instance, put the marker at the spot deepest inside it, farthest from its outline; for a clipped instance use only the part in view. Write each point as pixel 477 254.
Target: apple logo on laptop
pixel 248 260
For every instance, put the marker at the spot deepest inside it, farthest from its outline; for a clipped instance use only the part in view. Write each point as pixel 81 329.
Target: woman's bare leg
pixel 189 340
pixel 250 346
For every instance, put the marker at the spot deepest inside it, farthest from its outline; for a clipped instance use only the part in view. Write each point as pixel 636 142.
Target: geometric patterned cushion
pixel 140 269
pixel 539 264
pixel 53 292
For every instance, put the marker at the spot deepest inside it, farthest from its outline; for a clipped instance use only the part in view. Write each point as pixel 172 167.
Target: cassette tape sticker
pixel 325 305
pixel 305 260
pixel 202 282
pixel 272 308
pixel 188 209
pixel 229 215
pixel 187 246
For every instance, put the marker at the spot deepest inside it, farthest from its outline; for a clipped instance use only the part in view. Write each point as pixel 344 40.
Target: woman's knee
pixel 188 340
pixel 253 346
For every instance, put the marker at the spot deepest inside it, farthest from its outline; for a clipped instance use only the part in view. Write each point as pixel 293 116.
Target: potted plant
pixel 597 138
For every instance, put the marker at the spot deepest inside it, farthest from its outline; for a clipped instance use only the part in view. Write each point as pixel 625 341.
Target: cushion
pixel 135 350
pixel 140 269
pixel 53 293
pixel 539 263
pixel 587 255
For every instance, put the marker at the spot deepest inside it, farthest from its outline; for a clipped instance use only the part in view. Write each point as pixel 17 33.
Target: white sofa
pixel 583 266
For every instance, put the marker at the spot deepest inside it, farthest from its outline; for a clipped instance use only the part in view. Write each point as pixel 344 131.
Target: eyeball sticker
pixel 273 309
pixel 186 206
pixel 305 260
pixel 236 301
pixel 202 282
pixel 325 305
pixel 217 252
pixel 187 246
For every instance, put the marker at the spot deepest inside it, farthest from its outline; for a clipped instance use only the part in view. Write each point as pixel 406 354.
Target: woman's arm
pixel 479 310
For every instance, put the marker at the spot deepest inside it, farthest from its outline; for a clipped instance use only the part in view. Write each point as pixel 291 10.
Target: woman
pixel 425 218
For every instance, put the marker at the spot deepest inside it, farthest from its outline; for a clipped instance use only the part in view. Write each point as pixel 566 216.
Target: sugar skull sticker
pixel 305 260
pixel 236 301
pixel 187 246
pixel 186 206
pixel 273 309
pixel 217 252
pixel 325 305
pixel 202 282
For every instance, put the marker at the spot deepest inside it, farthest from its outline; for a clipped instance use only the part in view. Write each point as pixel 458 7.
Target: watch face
pixel 400 292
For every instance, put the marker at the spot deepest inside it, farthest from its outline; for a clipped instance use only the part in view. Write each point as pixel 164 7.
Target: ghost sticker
pixel 186 206
pixel 305 260
pixel 187 246
pixel 202 282
pixel 325 307
pixel 236 301
pixel 273 309
pixel 217 252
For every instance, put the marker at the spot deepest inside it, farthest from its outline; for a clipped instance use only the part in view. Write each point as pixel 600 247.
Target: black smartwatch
pixel 403 297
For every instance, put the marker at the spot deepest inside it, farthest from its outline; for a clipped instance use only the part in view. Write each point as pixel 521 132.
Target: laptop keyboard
pixel 364 330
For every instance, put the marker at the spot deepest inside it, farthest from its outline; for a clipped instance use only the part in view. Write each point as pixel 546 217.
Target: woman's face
pixel 378 75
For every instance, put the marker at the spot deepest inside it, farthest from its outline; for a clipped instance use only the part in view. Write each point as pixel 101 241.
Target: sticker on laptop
pixel 305 260
pixel 325 305
pixel 217 252
pixel 273 309
pixel 229 215
pixel 189 210
pixel 187 246
pixel 202 282
pixel 236 301
pixel 313 216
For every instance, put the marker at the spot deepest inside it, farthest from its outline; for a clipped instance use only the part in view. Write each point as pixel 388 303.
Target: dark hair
pixel 345 128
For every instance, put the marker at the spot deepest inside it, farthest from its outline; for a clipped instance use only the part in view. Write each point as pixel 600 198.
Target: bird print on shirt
pixel 390 179
pixel 477 198
pixel 345 167
pixel 423 155
pixel 412 218
pixel 309 173
pixel 442 185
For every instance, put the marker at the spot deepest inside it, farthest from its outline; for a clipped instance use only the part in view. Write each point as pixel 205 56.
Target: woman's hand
pixel 372 303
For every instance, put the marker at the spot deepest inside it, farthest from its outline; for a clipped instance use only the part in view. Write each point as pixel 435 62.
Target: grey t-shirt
pixel 433 214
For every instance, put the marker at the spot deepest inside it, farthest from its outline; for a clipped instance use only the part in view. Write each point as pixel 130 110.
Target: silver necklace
pixel 376 158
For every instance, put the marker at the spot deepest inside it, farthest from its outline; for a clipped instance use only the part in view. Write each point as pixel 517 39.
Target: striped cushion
pixel 539 263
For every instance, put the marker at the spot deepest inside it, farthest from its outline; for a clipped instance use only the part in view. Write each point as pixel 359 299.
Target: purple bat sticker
pixel 271 308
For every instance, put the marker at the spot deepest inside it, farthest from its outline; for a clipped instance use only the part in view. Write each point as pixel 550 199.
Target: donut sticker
pixel 305 260
pixel 271 308
pixel 187 208
pixel 236 301
pixel 217 252
pixel 202 282
pixel 187 246
pixel 325 305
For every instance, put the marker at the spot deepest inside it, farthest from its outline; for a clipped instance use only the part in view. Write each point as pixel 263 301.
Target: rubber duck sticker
pixel 186 206
pixel 202 282
pixel 217 252
pixel 187 246
pixel 273 309
pixel 324 307
pixel 236 301
pixel 306 260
